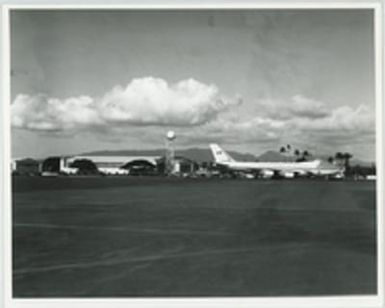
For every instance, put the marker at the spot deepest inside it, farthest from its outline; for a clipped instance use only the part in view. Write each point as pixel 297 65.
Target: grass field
pixel 123 237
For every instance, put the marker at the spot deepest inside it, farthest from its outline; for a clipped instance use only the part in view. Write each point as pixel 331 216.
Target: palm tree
pixel 347 157
pixel 306 153
pixel 339 156
pixel 288 149
pixel 297 154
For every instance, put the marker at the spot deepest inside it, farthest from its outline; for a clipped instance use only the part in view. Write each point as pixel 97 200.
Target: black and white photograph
pixel 193 153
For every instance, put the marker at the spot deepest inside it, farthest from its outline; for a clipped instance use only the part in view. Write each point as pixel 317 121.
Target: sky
pixel 250 80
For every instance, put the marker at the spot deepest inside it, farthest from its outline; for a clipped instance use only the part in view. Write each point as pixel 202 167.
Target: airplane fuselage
pixel 282 167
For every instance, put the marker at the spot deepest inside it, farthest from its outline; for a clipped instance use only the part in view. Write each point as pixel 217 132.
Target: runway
pixel 157 237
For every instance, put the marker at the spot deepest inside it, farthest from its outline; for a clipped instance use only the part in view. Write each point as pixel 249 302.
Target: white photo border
pixel 225 302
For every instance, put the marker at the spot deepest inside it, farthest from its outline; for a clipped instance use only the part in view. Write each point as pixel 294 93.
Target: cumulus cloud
pixel 307 108
pixel 201 114
pixel 145 101
pixel 341 125
pixel 235 130
pixel 50 114
pixel 343 118
pixel 297 106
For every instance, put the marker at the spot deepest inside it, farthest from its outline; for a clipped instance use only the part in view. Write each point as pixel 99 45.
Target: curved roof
pixel 115 159
pixel 139 162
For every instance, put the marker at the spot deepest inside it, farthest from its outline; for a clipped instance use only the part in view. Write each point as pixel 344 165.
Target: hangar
pixel 118 165
pixel 107 164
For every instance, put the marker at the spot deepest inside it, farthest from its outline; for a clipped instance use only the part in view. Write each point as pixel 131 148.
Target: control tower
pixel 170 152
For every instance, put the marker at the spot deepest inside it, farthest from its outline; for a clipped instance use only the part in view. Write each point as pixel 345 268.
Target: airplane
pixel 283 169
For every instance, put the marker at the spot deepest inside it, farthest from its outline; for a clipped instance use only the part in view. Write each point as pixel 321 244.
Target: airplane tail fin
pixel 220 156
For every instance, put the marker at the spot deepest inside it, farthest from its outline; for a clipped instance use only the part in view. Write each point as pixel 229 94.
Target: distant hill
pixel 196 154
pixel 155 152
pixel 274 156
pixel 204 155
pixel 201 155
pixel 355 162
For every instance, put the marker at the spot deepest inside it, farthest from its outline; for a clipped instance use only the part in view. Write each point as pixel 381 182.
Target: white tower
pixel 170 152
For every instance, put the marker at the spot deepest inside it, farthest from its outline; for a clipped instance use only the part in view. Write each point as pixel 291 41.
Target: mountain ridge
pixel 204 155
pixel 196 154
